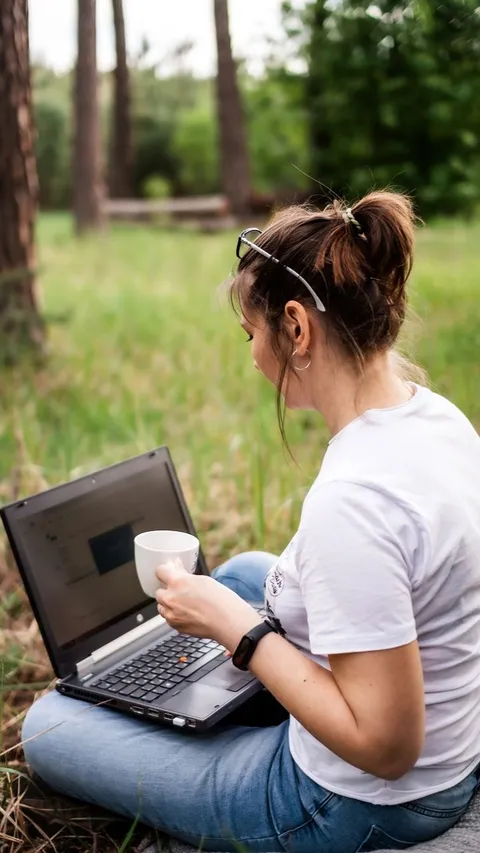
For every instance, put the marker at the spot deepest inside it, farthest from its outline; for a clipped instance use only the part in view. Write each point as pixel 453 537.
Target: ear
pixel 297 326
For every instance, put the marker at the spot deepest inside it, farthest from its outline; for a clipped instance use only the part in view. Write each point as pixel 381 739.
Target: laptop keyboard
pixel 162 667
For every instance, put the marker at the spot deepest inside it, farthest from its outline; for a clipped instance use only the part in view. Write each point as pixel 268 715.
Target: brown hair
pixel 356 260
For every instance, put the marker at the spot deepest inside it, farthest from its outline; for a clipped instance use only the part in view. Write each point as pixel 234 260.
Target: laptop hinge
pixel 85 666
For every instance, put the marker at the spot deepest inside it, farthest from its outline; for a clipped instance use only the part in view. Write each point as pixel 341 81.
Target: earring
pixel 306 366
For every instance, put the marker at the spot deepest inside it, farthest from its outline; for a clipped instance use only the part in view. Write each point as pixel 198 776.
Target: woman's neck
pixel 350 395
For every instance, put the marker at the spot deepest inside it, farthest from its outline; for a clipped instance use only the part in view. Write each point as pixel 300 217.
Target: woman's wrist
pixel 236 625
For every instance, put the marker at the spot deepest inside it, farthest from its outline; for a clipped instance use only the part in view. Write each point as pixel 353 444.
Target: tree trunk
pixel 234 159
pixel 21 326
pixel 88 189
pixel 121 152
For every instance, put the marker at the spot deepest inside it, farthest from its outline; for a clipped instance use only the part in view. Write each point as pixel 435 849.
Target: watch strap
pixel 249 642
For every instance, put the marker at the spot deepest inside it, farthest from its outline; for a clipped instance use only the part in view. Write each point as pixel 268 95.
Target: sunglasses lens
pixel 243 246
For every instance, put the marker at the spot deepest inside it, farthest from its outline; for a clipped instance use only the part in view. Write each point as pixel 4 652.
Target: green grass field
pixel 145 351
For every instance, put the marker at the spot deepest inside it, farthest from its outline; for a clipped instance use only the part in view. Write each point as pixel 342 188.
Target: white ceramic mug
pixel 156 548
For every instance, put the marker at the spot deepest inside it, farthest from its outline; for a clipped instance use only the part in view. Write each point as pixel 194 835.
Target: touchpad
pixel 228 677
pixel 198 700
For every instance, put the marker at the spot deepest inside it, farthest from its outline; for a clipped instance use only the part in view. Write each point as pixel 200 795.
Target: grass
pixel 143 352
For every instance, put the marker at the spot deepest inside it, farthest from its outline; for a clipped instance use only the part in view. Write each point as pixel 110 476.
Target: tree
pixel 121 152
pixel 21 326
pixel 392 97
pixel 234 159
pixel 88 188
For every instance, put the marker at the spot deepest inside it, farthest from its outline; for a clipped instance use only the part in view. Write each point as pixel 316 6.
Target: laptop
pixel 73 545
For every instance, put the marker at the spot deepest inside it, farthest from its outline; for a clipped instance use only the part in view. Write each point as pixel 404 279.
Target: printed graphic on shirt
pixel 275 581
pixel 273 619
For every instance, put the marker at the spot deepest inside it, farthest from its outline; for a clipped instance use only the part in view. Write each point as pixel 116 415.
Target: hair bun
pixel 388 221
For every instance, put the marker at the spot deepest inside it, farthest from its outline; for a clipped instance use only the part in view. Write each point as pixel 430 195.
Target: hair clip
pixel 349 219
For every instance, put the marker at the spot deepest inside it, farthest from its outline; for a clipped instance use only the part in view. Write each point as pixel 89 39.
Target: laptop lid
pixel 73 545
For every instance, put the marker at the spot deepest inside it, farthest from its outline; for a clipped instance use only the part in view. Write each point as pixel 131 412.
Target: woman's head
pixel 356 261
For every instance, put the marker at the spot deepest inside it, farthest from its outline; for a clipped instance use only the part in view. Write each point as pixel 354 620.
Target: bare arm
pixel 369 710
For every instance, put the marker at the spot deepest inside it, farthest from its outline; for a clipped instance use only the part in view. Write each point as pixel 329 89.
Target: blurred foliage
pixel 52 115
pixel 359 94
pixel 393 97
pixel 175 131
pixel 277 119
pixel 156 187
pixel 196 147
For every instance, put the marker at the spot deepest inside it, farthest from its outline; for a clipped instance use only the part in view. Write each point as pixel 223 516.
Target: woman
pixel 375 601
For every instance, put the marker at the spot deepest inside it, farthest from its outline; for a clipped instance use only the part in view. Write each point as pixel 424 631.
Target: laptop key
pixel 200 663
pixel 207 668
pixel 169 684
pixel 138 694
pixel 128 690
pixel 116 686
pixel 150 697
pixel 213 664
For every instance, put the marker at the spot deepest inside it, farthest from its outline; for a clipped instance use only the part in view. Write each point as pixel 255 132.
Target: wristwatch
pixel 249 642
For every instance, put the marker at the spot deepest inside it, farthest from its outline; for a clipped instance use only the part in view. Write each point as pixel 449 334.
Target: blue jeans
pixel 234 785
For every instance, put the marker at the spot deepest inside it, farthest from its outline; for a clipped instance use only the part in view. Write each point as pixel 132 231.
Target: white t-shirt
pixel 388 551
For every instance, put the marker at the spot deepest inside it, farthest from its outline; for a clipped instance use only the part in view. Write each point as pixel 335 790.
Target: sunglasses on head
pixel 246 241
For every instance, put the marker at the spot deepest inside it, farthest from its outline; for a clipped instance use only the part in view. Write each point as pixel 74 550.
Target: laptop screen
pixel 81 549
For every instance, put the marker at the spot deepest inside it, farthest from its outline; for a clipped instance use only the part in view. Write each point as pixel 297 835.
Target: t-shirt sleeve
pixel 354 556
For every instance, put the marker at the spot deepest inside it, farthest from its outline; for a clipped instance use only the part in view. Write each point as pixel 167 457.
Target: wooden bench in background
pixel 209 213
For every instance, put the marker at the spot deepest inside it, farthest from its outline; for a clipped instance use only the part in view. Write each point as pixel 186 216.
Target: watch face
pixel 243 653
pixel 244 648
pixel 247 645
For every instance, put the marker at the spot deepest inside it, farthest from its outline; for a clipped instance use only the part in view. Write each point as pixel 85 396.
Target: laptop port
pixel 168 717
pixel 191 724
pixel 136 710
pixel 153 714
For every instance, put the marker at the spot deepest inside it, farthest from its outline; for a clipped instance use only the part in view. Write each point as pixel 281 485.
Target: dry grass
pixel 145 357
pixel 30 822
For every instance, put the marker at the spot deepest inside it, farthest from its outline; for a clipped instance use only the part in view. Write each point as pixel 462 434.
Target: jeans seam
pixel 305 824
pixel 195 839
pixel 435 813
pixel 384 836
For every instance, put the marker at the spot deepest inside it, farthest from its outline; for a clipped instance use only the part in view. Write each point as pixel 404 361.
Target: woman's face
pixel 295 385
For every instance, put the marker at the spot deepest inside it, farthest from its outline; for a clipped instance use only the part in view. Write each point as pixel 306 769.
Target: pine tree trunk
pixel 21 326
pixel 88 189
pixel 234 159
pixel 121 154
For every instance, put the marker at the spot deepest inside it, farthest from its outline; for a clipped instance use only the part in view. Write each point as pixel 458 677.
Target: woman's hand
pixel 199 605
